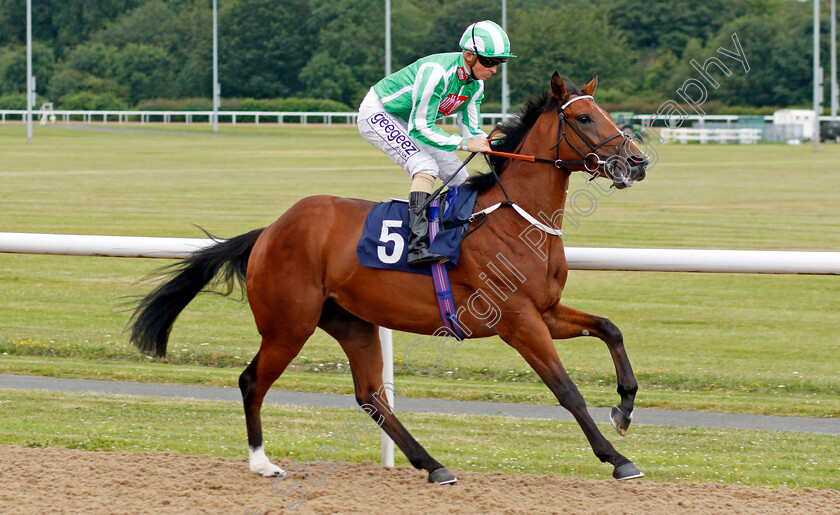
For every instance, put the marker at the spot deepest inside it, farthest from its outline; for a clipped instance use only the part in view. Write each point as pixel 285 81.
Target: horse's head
pixel 589 133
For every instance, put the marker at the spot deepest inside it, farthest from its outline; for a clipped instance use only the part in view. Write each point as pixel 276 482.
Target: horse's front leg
pixel 564 322
pixel 532 339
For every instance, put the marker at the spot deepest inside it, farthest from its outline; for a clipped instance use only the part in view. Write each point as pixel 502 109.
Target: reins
pixel 591 162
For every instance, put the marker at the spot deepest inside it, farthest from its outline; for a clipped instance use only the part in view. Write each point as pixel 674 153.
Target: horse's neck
pixel 539 188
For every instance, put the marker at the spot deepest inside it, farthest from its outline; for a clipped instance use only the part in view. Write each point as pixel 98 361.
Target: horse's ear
pixel 589 89
pixel 558 89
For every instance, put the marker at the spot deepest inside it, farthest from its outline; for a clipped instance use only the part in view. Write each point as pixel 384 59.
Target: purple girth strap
pixel 441 279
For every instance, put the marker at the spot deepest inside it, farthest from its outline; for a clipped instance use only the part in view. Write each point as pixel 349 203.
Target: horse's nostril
pixel 639 173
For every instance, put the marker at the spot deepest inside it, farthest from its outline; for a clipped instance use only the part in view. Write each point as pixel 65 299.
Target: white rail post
pixel 387 342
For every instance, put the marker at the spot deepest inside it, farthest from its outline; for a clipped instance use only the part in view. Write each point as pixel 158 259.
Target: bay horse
pixel 302 272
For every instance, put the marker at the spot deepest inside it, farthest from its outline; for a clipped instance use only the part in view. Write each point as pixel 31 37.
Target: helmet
pixel 487 39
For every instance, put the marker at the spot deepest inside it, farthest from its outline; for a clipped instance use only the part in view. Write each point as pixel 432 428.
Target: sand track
pixel 57 480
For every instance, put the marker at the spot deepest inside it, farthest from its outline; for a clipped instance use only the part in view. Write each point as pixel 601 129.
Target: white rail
pixel 280 117
pixel 742 136
pixel 89 245
pixel 697 260
pixel 144 117
pixel 188 117
pixel 579 258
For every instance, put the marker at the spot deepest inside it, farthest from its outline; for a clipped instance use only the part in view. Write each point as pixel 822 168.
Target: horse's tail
pixel 156 312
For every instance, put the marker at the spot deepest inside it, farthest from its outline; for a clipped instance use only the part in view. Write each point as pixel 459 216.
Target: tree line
pixel 132 53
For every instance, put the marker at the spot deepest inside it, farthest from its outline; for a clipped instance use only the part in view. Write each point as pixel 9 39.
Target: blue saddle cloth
pixel 384 241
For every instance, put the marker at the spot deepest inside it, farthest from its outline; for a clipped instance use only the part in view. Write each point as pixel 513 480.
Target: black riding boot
pixel 418 238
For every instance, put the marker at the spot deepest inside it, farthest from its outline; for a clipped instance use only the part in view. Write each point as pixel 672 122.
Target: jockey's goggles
pixel 489 62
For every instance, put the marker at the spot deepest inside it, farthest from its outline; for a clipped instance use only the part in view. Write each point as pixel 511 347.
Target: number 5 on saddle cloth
pixel 385 233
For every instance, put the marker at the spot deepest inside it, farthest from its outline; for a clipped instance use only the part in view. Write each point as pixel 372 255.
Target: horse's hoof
pixel 270 471
pixel 627 471
pixel 442 476
pixel 619 420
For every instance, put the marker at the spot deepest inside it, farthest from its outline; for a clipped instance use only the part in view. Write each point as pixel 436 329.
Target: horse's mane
pixel 515 129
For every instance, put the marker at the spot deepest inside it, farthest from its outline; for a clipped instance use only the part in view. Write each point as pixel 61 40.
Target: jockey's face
pixel 479 71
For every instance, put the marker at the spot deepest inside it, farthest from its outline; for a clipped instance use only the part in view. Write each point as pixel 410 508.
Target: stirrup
pixel 422 257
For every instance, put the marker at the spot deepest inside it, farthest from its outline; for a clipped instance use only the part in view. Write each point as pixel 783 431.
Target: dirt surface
pixel 56 480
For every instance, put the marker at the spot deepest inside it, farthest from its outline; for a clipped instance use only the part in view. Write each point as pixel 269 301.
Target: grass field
pixel 722 342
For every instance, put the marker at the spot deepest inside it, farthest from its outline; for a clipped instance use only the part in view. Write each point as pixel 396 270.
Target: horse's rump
pixel 309 255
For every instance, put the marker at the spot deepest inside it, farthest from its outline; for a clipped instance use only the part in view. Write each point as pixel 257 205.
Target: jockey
pixel 399 112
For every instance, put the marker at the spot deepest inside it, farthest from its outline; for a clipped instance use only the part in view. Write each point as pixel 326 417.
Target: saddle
pixel 384 241
pixel 385 235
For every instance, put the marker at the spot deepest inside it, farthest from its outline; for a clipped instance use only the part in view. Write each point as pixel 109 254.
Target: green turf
pixel 698 341
pixel 100 422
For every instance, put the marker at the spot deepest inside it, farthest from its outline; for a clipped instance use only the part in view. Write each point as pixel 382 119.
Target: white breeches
pixel 390 135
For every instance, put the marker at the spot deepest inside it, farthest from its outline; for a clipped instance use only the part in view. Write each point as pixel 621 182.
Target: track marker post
pixel 387 342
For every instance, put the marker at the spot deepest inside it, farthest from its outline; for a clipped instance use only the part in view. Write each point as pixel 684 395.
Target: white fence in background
pixel 297 117
pixel 684 135
pixel 579 258
pixel 188 117
pixel 257 117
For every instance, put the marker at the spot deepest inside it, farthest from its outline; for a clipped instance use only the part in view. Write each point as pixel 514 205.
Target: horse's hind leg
pixel 284 331
pixel 360 341
pixel 271 360
pixel 565 322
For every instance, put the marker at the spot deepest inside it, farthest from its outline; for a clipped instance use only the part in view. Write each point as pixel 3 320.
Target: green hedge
pixel 294 104
pixel 308 105
pixel 13 101
pixel 710 107
pixel 18 101
pixel 243 104
pixel 175 104
pixel 86 100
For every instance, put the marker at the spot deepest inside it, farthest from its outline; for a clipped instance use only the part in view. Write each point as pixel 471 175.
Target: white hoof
pixel 270 470
pixel 261 465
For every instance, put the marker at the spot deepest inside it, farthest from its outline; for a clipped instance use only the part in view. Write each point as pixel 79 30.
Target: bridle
pixel 591 161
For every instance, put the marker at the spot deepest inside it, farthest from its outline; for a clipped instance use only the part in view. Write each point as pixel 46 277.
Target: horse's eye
pixel 584 118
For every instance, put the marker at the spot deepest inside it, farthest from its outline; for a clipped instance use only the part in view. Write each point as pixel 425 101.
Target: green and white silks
pixel 431 88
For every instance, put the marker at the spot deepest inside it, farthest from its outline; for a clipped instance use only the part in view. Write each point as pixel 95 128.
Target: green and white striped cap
pixel 488 39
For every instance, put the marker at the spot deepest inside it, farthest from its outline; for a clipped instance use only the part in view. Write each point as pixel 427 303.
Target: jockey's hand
pixel 478 145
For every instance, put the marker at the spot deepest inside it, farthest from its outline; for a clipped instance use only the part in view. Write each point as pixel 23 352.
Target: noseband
pixel 591 161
